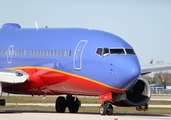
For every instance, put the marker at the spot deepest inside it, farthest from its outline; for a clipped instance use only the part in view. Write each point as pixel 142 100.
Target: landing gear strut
pixel 106 108
pixel 72 103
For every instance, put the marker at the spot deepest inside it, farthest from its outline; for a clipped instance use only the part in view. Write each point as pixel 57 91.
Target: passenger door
pixel 78 54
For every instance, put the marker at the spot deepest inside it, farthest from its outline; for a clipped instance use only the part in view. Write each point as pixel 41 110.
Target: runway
pixel 79 116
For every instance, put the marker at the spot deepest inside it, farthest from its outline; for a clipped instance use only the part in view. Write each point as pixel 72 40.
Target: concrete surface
pixel 80 116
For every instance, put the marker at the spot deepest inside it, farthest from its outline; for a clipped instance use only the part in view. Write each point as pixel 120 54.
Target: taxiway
pixel 79 116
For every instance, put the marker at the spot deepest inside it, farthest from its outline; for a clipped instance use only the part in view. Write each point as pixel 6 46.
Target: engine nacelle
pixel 2 101
pixel 139 94
pixel 0 89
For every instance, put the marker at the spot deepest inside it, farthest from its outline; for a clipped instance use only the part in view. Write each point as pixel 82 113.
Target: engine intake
pixel 0 89
pixel 139 94
pixel 2 101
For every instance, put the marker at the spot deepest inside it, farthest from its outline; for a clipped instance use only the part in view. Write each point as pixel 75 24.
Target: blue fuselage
pixel 97 55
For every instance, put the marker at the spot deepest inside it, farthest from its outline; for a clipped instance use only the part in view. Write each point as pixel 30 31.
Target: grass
pixel 154 102
pixel 48 99
pixel 26 108
pixel 28 99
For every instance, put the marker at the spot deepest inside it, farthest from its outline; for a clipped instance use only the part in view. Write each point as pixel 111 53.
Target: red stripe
pixel 52 82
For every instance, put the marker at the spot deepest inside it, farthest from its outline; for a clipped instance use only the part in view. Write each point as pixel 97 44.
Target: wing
pixel 13 76
pixel 154 68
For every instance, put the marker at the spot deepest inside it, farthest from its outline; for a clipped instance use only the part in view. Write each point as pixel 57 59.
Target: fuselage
pixel 68 61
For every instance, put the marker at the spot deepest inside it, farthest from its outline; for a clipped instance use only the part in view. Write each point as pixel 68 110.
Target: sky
pixel 144 24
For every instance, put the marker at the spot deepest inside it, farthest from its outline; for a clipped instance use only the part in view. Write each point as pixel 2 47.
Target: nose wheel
pixel 106 109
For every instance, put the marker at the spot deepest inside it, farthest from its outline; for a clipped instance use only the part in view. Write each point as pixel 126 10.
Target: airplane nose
pixel 128 71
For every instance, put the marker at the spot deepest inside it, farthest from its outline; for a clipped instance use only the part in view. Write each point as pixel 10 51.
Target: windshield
pixel 117 51
pixel 111 51
pixel 130 51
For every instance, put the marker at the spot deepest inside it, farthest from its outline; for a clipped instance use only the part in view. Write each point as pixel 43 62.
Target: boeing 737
pixel 72 62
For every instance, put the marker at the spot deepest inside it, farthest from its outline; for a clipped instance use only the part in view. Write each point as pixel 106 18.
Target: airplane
pixel 72 62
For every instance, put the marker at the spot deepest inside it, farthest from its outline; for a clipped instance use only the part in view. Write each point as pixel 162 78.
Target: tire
pixel 2 102
pixel 73 106
pixel 60 105
pixel 110 110
pixel 103 109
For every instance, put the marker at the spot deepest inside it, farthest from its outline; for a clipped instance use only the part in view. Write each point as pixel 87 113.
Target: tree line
pixel 159 78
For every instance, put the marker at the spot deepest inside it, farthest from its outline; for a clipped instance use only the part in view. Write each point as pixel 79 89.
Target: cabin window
pixel 40 52
pixel 50 53
pixel 30 52
pixel 2 51
pixel 19 52
pixel 69 52
pixel 6 52
pixel 13 53
pixel 60 53
pixel 65 53
pixel 35 53
pixel 16 52
pixel 46 53
pixel 54 53
pixel 24 52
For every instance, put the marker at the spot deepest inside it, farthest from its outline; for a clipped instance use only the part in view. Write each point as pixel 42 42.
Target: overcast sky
pixel 145 24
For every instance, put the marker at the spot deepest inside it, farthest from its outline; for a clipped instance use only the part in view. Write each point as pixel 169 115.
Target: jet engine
pixel 139 94
pixel 0 89
pixel 2 101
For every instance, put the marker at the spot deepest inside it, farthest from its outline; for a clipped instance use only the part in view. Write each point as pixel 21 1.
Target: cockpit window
pixel 105 51
pixel 130 51
pixel 102 51
pixel 99 51
pixel 117 51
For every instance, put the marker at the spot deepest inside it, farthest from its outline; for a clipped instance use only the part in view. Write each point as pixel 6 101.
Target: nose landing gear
pixel 106 109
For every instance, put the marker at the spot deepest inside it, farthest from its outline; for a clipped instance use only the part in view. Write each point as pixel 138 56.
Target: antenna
pixel 36 25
